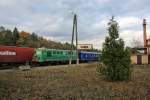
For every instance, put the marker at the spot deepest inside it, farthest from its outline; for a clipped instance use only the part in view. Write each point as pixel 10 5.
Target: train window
pixel 57 52
pixel 49 53
pixel 61 52
pixel 54 52
pixel 69 52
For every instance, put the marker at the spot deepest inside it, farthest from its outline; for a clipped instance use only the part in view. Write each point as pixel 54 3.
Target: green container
pixel 46 55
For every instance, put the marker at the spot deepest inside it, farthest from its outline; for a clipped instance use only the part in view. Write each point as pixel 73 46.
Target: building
pixel 85 47
pixel 142 55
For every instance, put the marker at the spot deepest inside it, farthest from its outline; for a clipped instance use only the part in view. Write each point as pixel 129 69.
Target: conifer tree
pixel 15 35
pixel 7 39
pixel 115 56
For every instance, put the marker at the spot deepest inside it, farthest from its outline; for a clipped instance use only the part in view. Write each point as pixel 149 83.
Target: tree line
pixel 26 39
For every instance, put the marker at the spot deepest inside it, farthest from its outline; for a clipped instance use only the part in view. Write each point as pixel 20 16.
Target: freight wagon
pixel 16 55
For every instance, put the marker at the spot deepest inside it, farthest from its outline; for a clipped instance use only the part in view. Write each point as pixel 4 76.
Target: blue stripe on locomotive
pixel 89 56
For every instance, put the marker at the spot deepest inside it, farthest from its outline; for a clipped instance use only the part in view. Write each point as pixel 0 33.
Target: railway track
pixel 49 66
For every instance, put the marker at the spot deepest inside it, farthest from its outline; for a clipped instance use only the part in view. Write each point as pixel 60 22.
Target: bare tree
pixel 136 43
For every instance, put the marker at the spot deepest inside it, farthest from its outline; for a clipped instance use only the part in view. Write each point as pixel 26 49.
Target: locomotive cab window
pixel 61 52
pixel 54 52
pixel 49 53
pixel 69 52
pixel 57 52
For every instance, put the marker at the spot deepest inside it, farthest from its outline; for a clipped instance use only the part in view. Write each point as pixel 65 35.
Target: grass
pixel 72 83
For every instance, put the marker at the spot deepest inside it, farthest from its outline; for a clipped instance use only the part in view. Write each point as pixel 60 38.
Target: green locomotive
pixel 53 55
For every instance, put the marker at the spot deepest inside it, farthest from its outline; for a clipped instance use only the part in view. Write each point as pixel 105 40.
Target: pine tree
pixel 115 56
pixel 34 37
pixel 15 35
pixel 7 38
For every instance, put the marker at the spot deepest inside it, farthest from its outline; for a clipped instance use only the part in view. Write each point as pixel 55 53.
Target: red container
pixel 12 54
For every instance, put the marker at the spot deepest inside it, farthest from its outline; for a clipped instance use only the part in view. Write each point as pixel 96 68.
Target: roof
pixel 90 52
pixel 13 46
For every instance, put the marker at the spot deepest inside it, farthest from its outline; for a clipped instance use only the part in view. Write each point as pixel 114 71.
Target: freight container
pixel 12 54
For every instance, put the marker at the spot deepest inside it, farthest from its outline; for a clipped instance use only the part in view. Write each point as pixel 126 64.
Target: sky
pixel 53 19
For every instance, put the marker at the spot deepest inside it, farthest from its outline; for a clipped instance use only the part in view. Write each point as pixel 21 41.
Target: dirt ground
pixel 72 83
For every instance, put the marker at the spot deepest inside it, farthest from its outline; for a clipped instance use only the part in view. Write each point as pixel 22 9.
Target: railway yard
pixel 76 82
pixel 74 50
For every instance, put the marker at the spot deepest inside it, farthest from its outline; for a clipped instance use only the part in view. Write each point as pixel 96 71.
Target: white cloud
pixel 129 22
pixel 49 38
pixel 6 3
pixel 97 42
pixel 129 35
pixel 100 24
pixel 103 1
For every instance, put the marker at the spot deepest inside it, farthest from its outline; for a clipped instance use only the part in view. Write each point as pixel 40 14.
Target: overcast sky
pixel 52 19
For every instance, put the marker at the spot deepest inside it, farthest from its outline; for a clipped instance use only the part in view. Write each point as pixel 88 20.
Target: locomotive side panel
pixel 50 55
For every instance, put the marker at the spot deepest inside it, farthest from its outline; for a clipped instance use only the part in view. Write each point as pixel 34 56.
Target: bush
pixel 101 69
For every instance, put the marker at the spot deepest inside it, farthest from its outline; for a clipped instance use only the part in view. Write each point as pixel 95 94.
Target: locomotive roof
pixel 90 52
pixel 55 49
pixel 73 50
pixel 13 46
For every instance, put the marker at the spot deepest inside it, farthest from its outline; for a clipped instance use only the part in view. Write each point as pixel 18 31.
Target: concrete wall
pixel 134 59
pixel 144 59
pixel 148 42
pixel 148 50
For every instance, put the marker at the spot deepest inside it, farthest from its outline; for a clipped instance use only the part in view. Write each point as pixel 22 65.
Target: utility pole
pixel 74 32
